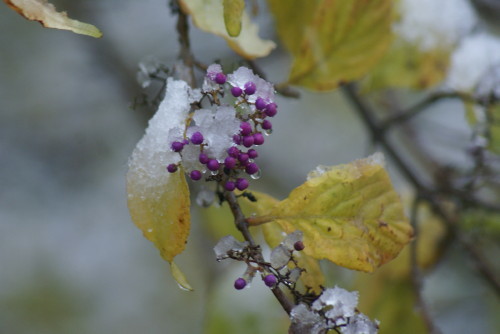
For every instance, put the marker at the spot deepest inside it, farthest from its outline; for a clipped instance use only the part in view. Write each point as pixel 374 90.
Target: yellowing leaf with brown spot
pixel 332 41
pixel 349 214
pixel 208 15
pixel 45 13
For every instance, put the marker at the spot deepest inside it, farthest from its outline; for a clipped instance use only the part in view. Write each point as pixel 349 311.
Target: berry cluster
pixel 224 141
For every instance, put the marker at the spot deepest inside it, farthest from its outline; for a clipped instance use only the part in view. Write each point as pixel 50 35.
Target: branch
pixel 242 225
pixel 185 53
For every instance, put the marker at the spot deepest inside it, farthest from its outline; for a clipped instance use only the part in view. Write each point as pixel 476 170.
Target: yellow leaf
pixel 494 128
pixel 45 13
pixel 233 10
pixel 208 16
pixel 180 277
pixel 333 41
pixel 349 214
pixel 161 213
pixel 406 66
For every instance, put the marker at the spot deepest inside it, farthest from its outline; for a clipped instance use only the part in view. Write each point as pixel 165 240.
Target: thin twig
pixel 185 53
pixel 409 113
pixel 242 225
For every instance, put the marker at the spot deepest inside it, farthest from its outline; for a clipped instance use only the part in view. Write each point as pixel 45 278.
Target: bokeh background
pixel 71 260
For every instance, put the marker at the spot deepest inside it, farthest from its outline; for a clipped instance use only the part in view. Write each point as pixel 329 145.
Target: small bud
pixel 177 146
pixel 230 186
pixel 240 283
pixel 197 138
pixel 172 168
pixel 298 246
pixel 270 280
pixel 250 88
pixel 220 78
pixel 242 183
pixel 260 104
pixel 195 175
pixel 213 165
pixel 236 91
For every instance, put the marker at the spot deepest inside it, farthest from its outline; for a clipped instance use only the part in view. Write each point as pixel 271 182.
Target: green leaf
pixel 45 13
pixel 208 15
pixel 349 214
pixel 332 41
pixel 494 128
pixel 233 11
pixel 180 278
pixel 406 66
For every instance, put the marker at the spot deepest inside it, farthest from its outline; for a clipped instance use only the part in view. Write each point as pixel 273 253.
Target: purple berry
pixel 250 88
pixel 299 245
pixel 247 141
pixel 243 157
pixel 246 129
pixel 230 186
pixel 230 162
pixel 260 104
pixel 172 168
pixel 271 109
pixel 258 138
pixel 203 158
pixel 195 175
pixel 177 146
pixel 270 280
pixel 241 183
pixel 237 139
pixel 197 138
pixel 233 151
pixel 266 125
pixel 252 154
pixel 240 283
pixel 220 78
pixel 185 142
pixel 252 168
pixel 213 165
pixel 236 91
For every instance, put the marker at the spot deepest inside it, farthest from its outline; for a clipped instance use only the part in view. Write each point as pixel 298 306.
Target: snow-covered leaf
pixel 208 15
pixel 159 201
pixel 332 41
pixel 45 13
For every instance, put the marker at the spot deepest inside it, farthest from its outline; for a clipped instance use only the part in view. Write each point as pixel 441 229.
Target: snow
pixel 432 24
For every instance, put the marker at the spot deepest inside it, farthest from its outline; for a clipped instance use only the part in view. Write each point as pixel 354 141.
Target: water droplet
pixel 183 287
pixel 268 132
pixel 214 172
pixel 257 175
pixel 150 230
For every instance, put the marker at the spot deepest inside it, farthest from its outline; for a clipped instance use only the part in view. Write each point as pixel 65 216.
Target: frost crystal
pixel 152 154
pixel 228 244
pixel 243 75
pixel 280 256
pixel 360 324
pixel 291 239
pixel 339 302
pixel 306 321
pixel 434 24
pixel 147 67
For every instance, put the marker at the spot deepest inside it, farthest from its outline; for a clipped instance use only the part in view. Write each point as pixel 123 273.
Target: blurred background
pixel 71 260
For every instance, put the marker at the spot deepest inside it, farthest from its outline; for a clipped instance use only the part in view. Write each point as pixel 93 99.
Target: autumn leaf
pixel 332 41
pixel 208 15
pixel 349 214
pixel 158 201
pixel 45 13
